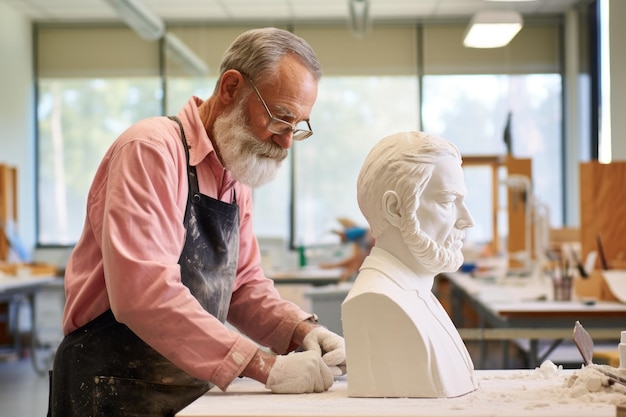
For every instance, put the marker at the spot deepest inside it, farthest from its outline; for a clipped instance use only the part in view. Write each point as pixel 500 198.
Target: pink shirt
pixel 127 256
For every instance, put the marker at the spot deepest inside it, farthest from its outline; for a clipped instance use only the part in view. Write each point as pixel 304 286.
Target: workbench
pixel 522 308
pixel 511 393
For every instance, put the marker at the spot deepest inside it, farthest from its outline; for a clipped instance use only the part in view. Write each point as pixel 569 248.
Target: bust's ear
pixel 392 208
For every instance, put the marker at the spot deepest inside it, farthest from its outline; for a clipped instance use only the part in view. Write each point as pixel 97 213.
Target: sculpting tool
pixel 584 343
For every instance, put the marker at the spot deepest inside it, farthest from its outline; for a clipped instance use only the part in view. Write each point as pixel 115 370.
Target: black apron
pixel 104 369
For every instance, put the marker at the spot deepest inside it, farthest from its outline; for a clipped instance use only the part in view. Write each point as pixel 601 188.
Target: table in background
pixel 512 393
pixel 306 276
pixel 296 285
pixel 520 308
pixel 16 290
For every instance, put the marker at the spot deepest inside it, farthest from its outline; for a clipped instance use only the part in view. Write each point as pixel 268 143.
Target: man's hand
pixel 299 373
pixel 330 346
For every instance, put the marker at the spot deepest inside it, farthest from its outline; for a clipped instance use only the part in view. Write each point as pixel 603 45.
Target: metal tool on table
pixel 603 261
pixel 584 343
pixel 581 268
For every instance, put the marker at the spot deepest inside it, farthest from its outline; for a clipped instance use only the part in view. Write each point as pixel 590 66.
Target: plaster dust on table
pixel 545 387
pixel 587 385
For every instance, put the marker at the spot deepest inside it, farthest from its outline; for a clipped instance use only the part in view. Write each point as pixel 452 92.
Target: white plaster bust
pixel 400 342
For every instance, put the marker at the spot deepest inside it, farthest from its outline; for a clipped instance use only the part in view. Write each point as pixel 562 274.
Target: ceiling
pixel 291 11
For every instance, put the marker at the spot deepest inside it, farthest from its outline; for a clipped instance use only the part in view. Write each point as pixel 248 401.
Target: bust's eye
pixel 446 205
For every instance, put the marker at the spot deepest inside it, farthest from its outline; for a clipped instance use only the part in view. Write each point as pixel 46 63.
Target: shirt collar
pixel 200 145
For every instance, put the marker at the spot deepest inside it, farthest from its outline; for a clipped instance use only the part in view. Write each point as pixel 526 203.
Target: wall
pixel 17 143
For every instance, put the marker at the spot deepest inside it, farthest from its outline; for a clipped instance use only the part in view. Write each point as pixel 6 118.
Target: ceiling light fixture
pixel 492 29
pixel 359 21
pixel 148 25
pixel 181 53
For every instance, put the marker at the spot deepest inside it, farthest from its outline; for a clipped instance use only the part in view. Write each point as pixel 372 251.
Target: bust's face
pixel 442 212
pixel 436 239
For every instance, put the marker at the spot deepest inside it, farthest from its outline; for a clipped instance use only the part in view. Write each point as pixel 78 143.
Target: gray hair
pixel 404 163
pixel 257 53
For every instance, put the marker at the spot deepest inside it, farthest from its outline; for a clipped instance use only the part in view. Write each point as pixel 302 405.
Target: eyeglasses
pixel 281 127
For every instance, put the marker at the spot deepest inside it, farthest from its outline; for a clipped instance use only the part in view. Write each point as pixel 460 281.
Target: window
pixel 78 120
pixel 472 110
pixel 92 84
pixel 351 114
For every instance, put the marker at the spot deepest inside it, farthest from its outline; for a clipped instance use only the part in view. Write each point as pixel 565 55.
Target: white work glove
pixel 299 373
pixel 330 346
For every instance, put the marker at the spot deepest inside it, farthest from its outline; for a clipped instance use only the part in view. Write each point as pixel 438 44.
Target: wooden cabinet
pixel 602 211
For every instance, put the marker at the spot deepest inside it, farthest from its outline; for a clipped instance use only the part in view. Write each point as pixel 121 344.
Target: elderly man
pixel 400 342
pixel 168 252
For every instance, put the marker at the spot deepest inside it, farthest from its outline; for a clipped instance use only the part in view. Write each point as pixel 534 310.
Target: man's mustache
pixel 270 150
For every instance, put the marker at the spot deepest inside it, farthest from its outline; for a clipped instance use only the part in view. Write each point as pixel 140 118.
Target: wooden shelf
pixel 516 240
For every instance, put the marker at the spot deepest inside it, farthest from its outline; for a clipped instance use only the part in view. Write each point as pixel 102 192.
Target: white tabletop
pixel 305 273
pixel 312 275
pixel 12 282
pixel 512 393
pixel 526 295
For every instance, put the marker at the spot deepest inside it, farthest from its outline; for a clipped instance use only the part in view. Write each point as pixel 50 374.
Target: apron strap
pixel 191 170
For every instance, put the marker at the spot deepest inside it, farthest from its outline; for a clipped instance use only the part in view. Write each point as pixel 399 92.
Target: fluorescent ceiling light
pixel 492 29
pixel 148 25
pixel 181 53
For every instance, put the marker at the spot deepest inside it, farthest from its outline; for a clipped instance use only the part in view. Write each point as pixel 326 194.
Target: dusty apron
pixel 104 369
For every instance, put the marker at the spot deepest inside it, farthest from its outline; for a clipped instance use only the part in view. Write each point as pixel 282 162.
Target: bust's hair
pixel 402 162
pixel 257 52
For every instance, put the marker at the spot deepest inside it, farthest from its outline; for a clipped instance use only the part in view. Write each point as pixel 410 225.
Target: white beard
pixel 433 257
pixel 249 160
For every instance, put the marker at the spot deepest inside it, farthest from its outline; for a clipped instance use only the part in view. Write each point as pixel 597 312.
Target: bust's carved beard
pixel 433 257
